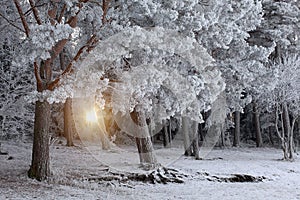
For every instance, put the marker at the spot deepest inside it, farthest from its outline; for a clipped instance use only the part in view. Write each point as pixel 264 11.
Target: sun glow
pixel 91 116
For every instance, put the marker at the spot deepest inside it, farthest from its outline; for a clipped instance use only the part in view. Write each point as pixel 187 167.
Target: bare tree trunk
pixel 104 136
pixel 151 132
pixel 166 136
pixel 281 135
pixel 68 132
pixel 270 135
pixel 222 139
pixel 186 136
pixel 201 132
pixel 288 131
pixel 237 129
pixel 68 122
pixel 145 149
pixel 195 139
pixel 39 168
pixel 259 142
pixel 291 141
pixel 170 132
pixel 143 142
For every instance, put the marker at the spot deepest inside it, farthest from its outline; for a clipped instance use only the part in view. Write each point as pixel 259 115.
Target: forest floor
pixel 87 172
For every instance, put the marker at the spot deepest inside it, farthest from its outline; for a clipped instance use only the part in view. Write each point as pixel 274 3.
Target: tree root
pixel 161 176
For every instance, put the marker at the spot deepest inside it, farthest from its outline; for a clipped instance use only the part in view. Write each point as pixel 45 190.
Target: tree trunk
pixel 237 129
pixel 281 134
pixel 103 133
pixel 145 149
pixel 166 136
pixel 195 139
pixel 143 142
pixel 186 136
pixel 271 135
pixel 68 122
pixel 222 139
pixel 259 142
pixel 288 131
pixel 292 147
pixel 39 168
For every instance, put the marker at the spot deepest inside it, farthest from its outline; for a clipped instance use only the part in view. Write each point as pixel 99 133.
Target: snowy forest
pixel 149 99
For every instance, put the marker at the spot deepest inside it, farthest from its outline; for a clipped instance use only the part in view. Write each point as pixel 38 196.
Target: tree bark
pixel 39 168
pixel 259 141
pixel 292 147
pixel 186 137
pixel 195 139
pixel 68 122
pixel 222 139
pixel 166 136
pixel 281 134
pixel 288 131
pixel 237 129
pixel 145 149
pixel 143 142
pixel 271 135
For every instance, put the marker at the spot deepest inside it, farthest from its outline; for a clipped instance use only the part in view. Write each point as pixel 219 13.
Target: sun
pixel 91 116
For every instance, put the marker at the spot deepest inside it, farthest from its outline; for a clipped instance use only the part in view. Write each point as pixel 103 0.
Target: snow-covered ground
pixel 73 166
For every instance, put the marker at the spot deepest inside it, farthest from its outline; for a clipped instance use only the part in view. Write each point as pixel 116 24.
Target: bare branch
pixel 36 6
pixel 38 78
pixel 72 21
pixel 105 6
pixel 24 22
pixel 56 50
pixel 59 46
pixel 35 12
pixel 52 14
pixel 62 13
pixel 88 47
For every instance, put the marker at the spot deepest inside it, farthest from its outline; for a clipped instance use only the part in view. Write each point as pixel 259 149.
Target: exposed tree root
pixel 161 175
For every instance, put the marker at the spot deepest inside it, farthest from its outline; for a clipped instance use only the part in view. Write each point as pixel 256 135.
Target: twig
pixel 36 6
pixel 11 23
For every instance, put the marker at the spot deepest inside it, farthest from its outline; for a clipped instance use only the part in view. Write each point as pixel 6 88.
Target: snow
pixel 71 167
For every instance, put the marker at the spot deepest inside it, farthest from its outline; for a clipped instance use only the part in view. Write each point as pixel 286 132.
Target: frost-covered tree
pixel 150 60
pixel 220 26
pixel 43 29
pixel 15 112
pixel 159 80
pixel 283 98
pixel 16 118
pixel 279 26
pixel 240 61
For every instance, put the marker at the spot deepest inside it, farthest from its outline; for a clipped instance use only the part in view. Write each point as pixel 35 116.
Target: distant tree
pixel 280 26
pixel 16 119
pixel 284 100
